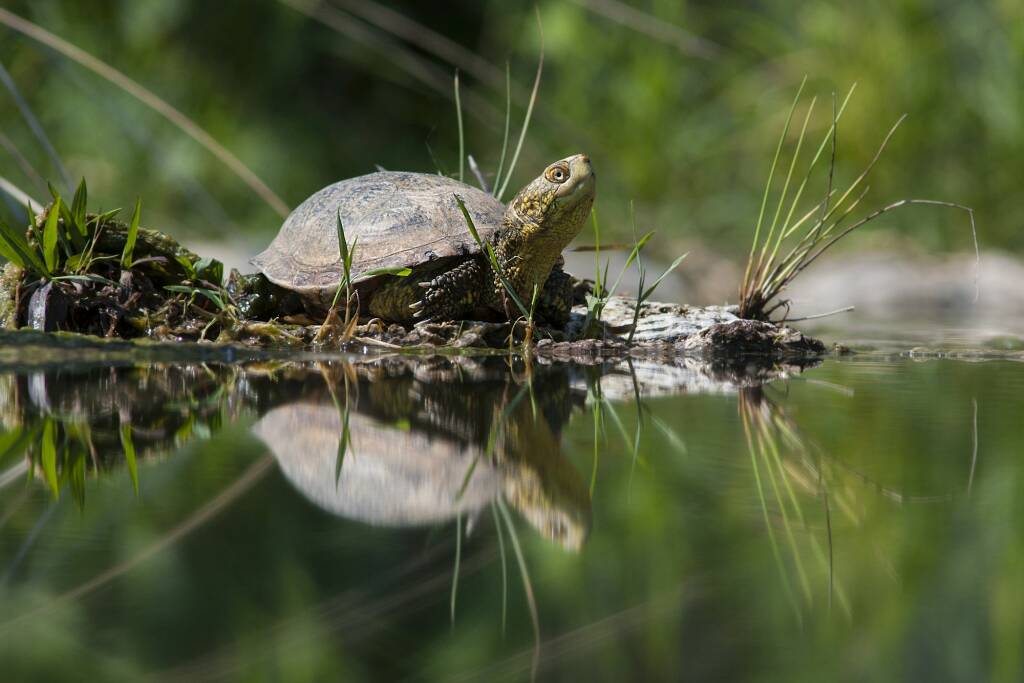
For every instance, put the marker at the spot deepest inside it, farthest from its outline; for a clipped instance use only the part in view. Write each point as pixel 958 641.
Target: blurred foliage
pixel 679 104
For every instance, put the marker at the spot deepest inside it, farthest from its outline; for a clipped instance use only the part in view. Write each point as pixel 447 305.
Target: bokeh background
pixel 678 103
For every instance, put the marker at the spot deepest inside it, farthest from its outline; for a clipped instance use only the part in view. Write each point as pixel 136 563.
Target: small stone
pixel 47 308
pixel 469 339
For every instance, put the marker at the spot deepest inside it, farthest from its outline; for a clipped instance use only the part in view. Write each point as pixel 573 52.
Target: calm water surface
pixel 482 520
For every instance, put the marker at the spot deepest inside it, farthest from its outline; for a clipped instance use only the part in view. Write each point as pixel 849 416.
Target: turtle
pixel 396 220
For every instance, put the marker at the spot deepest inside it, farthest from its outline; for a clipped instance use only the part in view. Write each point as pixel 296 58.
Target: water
pixel 484 519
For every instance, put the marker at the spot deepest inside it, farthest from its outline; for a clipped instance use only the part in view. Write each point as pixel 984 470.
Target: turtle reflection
pixel 431 442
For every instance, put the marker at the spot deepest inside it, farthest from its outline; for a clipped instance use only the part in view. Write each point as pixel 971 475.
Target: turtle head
pixel 556 203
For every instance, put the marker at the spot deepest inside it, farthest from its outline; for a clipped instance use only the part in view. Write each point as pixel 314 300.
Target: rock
pixel 661 322
pixel 663 331
pixel 750 337
pixel 47 308
pixel 467 340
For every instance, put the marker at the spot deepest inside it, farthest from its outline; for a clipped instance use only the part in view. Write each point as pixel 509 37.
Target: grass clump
pixel 798 234
pixel 87 272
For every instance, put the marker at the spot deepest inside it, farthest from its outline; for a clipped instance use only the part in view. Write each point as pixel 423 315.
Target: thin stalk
pixel 770 447
pixel 151 100
pixel 508 120
pixel 504 569
pixel 785 190
pixel 764 509
pixel 34 125
pixel 529 111
pixel 474 168
pixel 462 135
pixel 768 185
pixel 527 585
pixel 830 135
pixel 458 560
pixel 896 205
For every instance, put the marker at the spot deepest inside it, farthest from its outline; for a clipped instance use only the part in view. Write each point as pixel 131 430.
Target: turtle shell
pixel 394 219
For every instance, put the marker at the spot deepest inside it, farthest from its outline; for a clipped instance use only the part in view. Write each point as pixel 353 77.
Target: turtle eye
pixel 557 174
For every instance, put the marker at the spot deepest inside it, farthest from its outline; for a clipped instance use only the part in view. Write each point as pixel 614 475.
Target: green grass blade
pixel 78 208
pixel 7 250
pixel 343 250
pixel 129 456
pixel 529 112
pixel 524 574
pixel 597 411
pixel 133 232
pixel 87 277
pixel 762 263
pixel 17 250
pixel 633 254
pixel 343 444
pixel 458 562
pixel 508 121
pixel 654 285
pixel 462 134
pixel 397 271
pixel 504 569
pixel 48 455
pixel 71 239
pixel 768 184
pixel 492 257
pixel 50 237
pixel 215 297
pixel 829 136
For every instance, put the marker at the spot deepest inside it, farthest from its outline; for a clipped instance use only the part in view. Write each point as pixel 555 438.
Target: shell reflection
pixel 428 445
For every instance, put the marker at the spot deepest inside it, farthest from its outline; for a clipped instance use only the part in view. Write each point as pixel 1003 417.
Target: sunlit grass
pixel 797 235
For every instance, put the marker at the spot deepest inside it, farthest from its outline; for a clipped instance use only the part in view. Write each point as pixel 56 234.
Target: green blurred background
pixel 679 104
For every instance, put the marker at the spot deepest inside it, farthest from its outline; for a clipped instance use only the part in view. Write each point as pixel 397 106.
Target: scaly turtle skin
pixel 412 220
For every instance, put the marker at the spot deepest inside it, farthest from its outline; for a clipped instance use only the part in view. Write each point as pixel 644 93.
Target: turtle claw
pixel 418 311
pixel 425 285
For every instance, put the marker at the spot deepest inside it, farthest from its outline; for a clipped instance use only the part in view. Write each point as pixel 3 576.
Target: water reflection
pixel 428 442
pixel 392 442
pixel 70 423
pixel 347 499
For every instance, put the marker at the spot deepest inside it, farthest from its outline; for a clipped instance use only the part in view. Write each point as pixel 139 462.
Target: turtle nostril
pixel 585 159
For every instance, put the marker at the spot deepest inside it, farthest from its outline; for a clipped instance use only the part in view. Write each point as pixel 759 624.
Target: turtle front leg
pixel 554 301
pixel 454 293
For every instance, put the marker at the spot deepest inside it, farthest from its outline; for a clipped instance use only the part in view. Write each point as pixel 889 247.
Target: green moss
pixel 9 281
